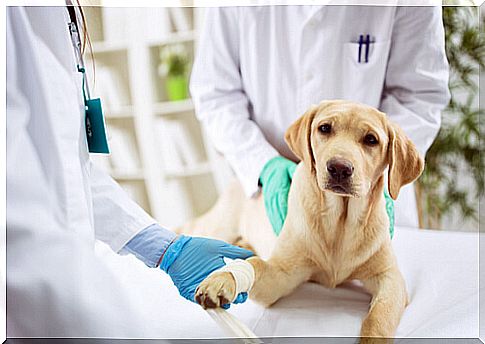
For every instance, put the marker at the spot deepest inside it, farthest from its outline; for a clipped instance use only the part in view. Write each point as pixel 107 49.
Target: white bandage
pixel 233 326
pixel 243 273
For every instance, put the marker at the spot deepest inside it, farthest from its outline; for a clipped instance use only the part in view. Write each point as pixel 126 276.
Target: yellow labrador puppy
pixel 337 228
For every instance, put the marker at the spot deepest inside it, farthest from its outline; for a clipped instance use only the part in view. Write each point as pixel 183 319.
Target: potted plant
pixel 174 63
pixel 457 153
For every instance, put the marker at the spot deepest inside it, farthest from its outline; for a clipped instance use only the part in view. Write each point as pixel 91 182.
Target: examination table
pixel 440 268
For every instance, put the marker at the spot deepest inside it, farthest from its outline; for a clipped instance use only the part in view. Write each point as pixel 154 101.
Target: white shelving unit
pixel 144 158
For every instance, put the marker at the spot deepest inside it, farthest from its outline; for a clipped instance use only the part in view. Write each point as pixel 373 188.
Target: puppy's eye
pixel 370 140
pixel 325 128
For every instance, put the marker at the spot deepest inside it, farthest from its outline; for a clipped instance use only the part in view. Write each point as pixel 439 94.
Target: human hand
pixel 189 260
pixel 276 180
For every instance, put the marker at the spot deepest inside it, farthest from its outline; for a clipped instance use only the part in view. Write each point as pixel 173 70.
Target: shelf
pixel 158 153
pixel 174 37
pixel 120 111
pixel 120 175
pixel 101 47
pixel 170 107
pixel 190 171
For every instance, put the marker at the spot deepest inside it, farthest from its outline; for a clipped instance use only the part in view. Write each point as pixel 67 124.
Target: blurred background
pixel 163 159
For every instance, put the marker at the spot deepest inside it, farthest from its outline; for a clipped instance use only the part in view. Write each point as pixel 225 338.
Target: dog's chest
pixel 335 262
pixel 335 246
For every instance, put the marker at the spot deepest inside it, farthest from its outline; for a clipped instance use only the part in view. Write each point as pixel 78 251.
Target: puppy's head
pixel 347 147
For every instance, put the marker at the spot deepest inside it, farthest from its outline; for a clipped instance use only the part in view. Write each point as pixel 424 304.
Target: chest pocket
pixel 363 81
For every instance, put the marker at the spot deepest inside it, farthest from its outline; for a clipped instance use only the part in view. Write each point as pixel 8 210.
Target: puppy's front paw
pixel 216 290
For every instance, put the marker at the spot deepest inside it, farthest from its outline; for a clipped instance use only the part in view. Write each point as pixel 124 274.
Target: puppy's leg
pixel 278 277
pixel 389 299
pixel 273 279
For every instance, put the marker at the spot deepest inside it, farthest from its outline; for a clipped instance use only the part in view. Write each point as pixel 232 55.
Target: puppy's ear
pixel 405 162
pixel 298 137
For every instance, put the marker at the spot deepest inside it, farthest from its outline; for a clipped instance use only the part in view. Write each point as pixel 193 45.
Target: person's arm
pixel 220 102
pixel 128 229
pixel 416 85
pixel 117 218
pixel 150 244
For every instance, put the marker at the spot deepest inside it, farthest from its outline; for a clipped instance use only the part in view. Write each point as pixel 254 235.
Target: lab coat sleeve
pixel 220 102
pixel 150 244
pixel 416 84
pixel 117 218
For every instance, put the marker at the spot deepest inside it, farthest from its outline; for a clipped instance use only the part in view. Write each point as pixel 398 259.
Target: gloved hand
pixel 275 180
pixel 189 260
pixel 390 211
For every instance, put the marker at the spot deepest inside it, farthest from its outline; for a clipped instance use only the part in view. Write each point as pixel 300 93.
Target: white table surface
pixel 440 269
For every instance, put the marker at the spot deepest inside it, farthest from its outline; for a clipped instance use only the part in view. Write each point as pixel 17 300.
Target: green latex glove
pixel 390 211
pixel 275 180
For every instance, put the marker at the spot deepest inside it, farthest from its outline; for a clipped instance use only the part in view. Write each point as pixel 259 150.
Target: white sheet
pixel 440 269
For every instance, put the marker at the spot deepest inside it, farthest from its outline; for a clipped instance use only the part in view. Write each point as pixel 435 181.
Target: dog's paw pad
pixel 216 290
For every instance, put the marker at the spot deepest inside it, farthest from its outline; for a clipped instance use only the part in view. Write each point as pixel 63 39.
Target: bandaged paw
pixel 224 285
pixel 243 273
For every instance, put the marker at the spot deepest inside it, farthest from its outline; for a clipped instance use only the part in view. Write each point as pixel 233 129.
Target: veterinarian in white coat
pixel 58 203
pixel 259 68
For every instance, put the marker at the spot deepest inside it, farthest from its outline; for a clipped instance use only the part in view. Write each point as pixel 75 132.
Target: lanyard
pixel 94 119
pixel 76 42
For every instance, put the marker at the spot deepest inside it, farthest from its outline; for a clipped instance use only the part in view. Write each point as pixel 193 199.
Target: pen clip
pixel 361 41
pixel 367 43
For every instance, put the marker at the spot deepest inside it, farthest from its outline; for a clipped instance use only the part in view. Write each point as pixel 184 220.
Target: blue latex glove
pixel 275 180
pixel 189 260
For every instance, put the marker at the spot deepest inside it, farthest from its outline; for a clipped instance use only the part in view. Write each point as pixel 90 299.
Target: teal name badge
pixel 94 119
pixel 95 127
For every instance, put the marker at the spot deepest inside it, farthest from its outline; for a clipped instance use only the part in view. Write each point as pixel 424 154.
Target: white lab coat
pixel 58 203
pixel 259 68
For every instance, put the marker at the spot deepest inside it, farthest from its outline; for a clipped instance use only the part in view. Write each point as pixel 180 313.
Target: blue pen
pixel 361 41
pixel 367 43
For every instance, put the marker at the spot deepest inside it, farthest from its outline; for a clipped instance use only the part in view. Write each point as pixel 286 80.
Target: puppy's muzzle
pixel 340 171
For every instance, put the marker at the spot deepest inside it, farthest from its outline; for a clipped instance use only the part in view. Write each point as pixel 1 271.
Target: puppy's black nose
pixel 340 169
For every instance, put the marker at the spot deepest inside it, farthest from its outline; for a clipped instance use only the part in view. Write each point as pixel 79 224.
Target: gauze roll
pixel 243 273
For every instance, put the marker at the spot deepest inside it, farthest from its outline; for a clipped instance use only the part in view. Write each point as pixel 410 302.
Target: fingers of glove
pixel 282 206
pixel 272 212
pixel 279 210
pixel 241 298
pixel 390 212
pixel 275 220
pixel 234 252
pixel 291 170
